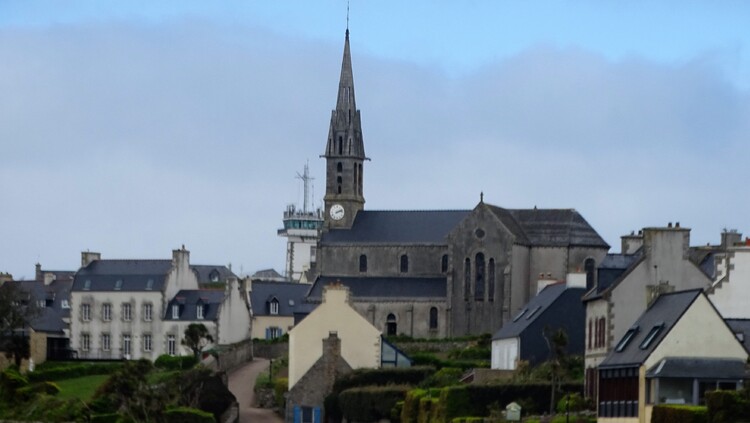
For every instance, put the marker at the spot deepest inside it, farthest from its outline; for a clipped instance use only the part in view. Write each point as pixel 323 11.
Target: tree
pixel 557 342
pixel 197 338
pixel 17 310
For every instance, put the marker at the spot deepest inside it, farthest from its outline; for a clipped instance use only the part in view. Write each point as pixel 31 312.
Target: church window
pixel 350 141
pixel 338 179
pixel 390 324
pixel 339 189
pixel 433 318
pixel 467 278
pixel 339 167
pixel 491 280
pixel 359 176
pixel 404 263
pixel 341 145
pixel 479 287
pixel 363 263
pixel 589 266
pixel 444 263
pixel 355 179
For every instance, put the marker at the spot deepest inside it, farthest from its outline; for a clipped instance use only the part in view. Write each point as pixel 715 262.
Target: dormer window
pixel 118 285
pixel 214 276
pixel 175 311
pixel 65 304
pixel 273 307
pixel 149 285
pixel 87 285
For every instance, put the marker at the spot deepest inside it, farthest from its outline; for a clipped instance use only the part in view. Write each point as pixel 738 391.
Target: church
pixel 435 273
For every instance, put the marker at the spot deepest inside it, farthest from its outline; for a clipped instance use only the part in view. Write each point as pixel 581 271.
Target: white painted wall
pixel 731 287
pixel 234 315
pixel 505 353
pixel 360 341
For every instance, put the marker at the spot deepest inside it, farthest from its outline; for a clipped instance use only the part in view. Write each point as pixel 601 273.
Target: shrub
pixel 571 403
pixel 471 353
pixel 30 391
pixel 105 418
pixel 73 370
pixel 427 409
pixel 370 403
pixel 379 377
pixel 446 376
pixel 10 382
pixel 280 386
pixel 726 406
pixel 680 414
pixel 188 415
pixel 179 362
pixel 410 410
pixel 468 420
pixel 427 359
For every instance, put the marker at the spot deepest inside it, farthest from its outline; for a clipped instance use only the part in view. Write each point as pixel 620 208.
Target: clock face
pixel 337 212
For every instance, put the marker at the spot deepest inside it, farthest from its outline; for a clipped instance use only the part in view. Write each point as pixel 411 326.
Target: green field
pixel 80 387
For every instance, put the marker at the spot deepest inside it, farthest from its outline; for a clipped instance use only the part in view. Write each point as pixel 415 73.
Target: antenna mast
pixel 305 177
pixel 347 16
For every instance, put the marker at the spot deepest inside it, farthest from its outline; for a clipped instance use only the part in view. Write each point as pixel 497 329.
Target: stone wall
pixel 233 355
pixel 271 350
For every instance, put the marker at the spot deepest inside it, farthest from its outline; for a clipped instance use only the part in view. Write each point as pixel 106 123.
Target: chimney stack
pixel 88 257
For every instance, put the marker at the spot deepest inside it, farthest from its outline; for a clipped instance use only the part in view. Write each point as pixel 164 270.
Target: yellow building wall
pixel 260 323
pixel 38 346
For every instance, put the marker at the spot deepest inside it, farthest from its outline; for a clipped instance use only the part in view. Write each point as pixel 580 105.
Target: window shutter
pixel 268 333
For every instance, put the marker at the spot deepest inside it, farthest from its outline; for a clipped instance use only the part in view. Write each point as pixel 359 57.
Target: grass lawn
pixel 80 387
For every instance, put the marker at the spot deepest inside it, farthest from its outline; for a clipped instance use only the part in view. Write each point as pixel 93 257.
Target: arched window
pixel 404 263
pixel 339 167
pixel 341 145
pixel 338 179
pixel 433 318
pixel 479 280
pixel 339 189
pixel 363 263
pixel 444 263
pixel 491 280
pixel 354 179
pixel 360 178
pixel 467 278
pixel 589 266
pixel 390 325
pixel 591 326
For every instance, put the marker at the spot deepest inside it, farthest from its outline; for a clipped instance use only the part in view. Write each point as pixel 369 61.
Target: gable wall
pixel 731 293
pixel 234 316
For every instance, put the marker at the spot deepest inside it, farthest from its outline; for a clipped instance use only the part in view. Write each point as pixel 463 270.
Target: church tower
pixel 345 153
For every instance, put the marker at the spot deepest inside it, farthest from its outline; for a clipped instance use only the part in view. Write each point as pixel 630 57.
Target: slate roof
pixel 51 316
pixel 539 227
pixel 741 326
pixel 136 274
pixel 611 270
pixel 288 294
pixel 699 368
pixel 425 226
pixel 383 287
pixel 188 300
pixel 665 311
pixel 541 303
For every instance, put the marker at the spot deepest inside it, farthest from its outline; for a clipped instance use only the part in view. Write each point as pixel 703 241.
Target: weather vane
pixel 347 15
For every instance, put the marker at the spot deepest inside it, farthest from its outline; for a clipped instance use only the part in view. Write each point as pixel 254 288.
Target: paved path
pixel 241 383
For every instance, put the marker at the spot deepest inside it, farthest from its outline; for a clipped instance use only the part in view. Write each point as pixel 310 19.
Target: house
pixel 329 342
pixel 730 290
pixel 272 305
pixel 656 260
pixel 678 349
pixel 49 332
pixel 557 306
pixel 485 259
pixel 140 308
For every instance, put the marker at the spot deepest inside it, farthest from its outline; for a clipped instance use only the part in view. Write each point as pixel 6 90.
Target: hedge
pixel 188 415
pixel 30 391
pixel 428 409
pixel 680 414
pixel 178 362
pixel 726 406
pixel 370 403
pixel 380 377
pixel 468 420
pixel 427 359
pixel 105 418
pixel 73 370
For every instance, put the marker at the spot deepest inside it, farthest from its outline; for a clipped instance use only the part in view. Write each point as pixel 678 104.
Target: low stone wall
pixel 234 355
pixel 271 350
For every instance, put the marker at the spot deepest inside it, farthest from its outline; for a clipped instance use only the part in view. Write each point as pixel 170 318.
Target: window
pixel 106 342
pixel 171 345
pixel 467 278
pixel 107 312
pixel 479 280
pixel 126 345
pixel 339 167
pixel 147 342
pixel 273 332
pixel 214 276
pixel 390 324
pixel 433 318
pixel 273 306
pixel 589 266
pixel 65 304
pixel 118 285
pixel 444 263
pixel 591 326
pixel 341 145
pixel 85 342
pixel 148 310
pixel 338 180
pixel 363 263
pixel 85 312
pixel 533 312
pixel 127 312
pixel 199 312
pixel 175 311
pixel 404 263
pixel 87 285
pixel 519 315
pixel 652 334
pixel 601 333
pixel 149 285
pixel 41 303
pixel 360 179
pixel 626 339
pixel 491 280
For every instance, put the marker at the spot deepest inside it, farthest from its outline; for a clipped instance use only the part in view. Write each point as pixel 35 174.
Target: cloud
pixel 134 139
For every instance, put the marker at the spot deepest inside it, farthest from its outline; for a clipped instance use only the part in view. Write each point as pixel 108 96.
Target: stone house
pixel 140 308
pixel 469 270
pixel 663 359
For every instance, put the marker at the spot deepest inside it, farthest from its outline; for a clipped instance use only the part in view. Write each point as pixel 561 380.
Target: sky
pixel 133 128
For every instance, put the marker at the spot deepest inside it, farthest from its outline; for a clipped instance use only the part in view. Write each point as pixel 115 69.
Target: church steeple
pixel 345 152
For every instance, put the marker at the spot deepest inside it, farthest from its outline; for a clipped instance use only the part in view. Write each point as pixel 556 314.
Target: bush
pixel 380 377
pixel 680 414
pixel 105 418
pixel 73 370
pixel 410 409
pixel 572 403
pixel 472 353
pixel 188 415
pixel 371 403
pixel 446 376
pixel 726 406
pixel 10 382
pixel 178 362
pixel 427 359
pixel 280 386
pixel 468 420
pixel 30 391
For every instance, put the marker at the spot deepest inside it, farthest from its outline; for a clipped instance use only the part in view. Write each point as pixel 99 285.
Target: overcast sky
pixel 132 128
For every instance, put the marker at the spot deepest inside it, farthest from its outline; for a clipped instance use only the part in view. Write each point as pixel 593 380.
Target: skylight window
pixel 533 312
pixel 652 334
pixel 626 339
pixel 87 285
pixel 149 284
pixel 118 285
pixel 519 315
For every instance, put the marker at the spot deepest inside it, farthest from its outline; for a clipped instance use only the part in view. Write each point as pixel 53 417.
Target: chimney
pixel 181 257
pixel 667 243
pixel 730 238
pixel 48 278
pixel 331 355
pixel 631 243
pixel 38 272
pixel 87 257
pixel 5 277
pixel 575 280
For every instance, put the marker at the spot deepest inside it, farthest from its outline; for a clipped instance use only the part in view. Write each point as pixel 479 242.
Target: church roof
pixel 383 287
pixel 424 226
pixel 557 227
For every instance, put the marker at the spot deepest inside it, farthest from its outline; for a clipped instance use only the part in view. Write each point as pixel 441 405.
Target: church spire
pixel 345 151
